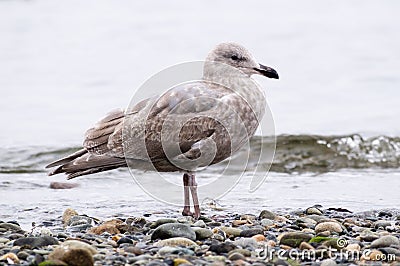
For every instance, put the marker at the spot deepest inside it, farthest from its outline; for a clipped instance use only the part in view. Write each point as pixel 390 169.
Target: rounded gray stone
pixel 170 230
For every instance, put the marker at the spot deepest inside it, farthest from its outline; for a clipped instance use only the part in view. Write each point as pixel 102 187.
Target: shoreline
pixel 312 236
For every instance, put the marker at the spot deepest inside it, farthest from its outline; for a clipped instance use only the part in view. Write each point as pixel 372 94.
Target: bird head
pixel 237 56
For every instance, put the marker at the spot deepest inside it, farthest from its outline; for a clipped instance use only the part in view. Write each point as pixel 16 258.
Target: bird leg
pixel 189 182
pixel 193 191
pixel 186 200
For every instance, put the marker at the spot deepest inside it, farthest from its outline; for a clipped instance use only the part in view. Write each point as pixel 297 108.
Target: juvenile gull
pixel 208 121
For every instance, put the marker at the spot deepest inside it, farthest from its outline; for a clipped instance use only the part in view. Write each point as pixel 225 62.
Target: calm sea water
pixel 65 64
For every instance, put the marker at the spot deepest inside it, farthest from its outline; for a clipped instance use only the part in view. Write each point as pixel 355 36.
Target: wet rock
pixel 79 220
pixel 332 227
pixel 67 215
pixel 73 257
pixel 63 185
pixel 317 218
pixel 4 240
pixel 266 222
pixel 259 238
pixel 134 250
pixel 305 246
pixel 10 258
pixel 170 230
pixel 230 231
pixel 390 252
pixel 22 255
pixel 199 223
pixel 36 242
pixel 11 227
pixel 266 214
pixel 237 223
pixel 368 236
pixel 222 248
pixel 110 227
pixel 202 233
pixel 382 224
pixel 353 247
pixel 247 243
pixel 72 244
pixel 294 239
pixel 175 241
pixel 41 231
pixel 236 256
pixel 251 232
pixel 306 220
pixel 385 241
pixel 179 261
pixel 163 221
pixel 123 240
pixel 313 210
pixel 176 251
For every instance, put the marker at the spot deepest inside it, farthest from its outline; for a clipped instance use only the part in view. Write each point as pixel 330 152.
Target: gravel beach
pixel 313 236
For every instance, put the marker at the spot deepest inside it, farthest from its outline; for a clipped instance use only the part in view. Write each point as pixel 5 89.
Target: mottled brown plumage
pixel 190 126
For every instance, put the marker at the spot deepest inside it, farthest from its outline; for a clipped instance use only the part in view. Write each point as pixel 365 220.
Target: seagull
pixel 189 127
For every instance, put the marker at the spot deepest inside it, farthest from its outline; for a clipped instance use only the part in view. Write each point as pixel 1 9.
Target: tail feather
pixel 67 159
pixel 83 163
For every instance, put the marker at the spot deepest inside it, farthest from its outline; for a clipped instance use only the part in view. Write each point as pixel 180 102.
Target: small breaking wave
pixel 294 154
pixel 312 153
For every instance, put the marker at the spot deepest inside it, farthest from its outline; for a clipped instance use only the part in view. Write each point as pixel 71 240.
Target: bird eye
pixel 234 57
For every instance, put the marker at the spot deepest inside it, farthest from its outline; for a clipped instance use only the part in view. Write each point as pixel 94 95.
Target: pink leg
pixel 193 190
pixel 186 207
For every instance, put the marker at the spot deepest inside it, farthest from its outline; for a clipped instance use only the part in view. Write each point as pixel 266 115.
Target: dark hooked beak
pixel 267 71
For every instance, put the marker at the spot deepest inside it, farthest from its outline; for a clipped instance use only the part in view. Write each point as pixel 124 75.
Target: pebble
pixel 259 238
pixel 67 215
pixel 294 239
pixel 236 256
pixel 10 258
pixel 385 241
pixel 313 210
pixel 63 185
pixel 222 248
pixel 110 227
pixel 180 261
pixel 162 221
pixel 11 227
pixel 170 230
pixel 202 233
pixel 22 255
pixel 134 241
pixel 175 241
pixel 123 240
pixel 332 227
pixel 73 257
pixel 76 244
pixel 175 250
pixel 230 231
pixel 79 220
pixel 305 246
pixel 199 223
pixel 251 232
pixel 266 222
pixel 36 242
pixel 266 214
pixel 353 247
